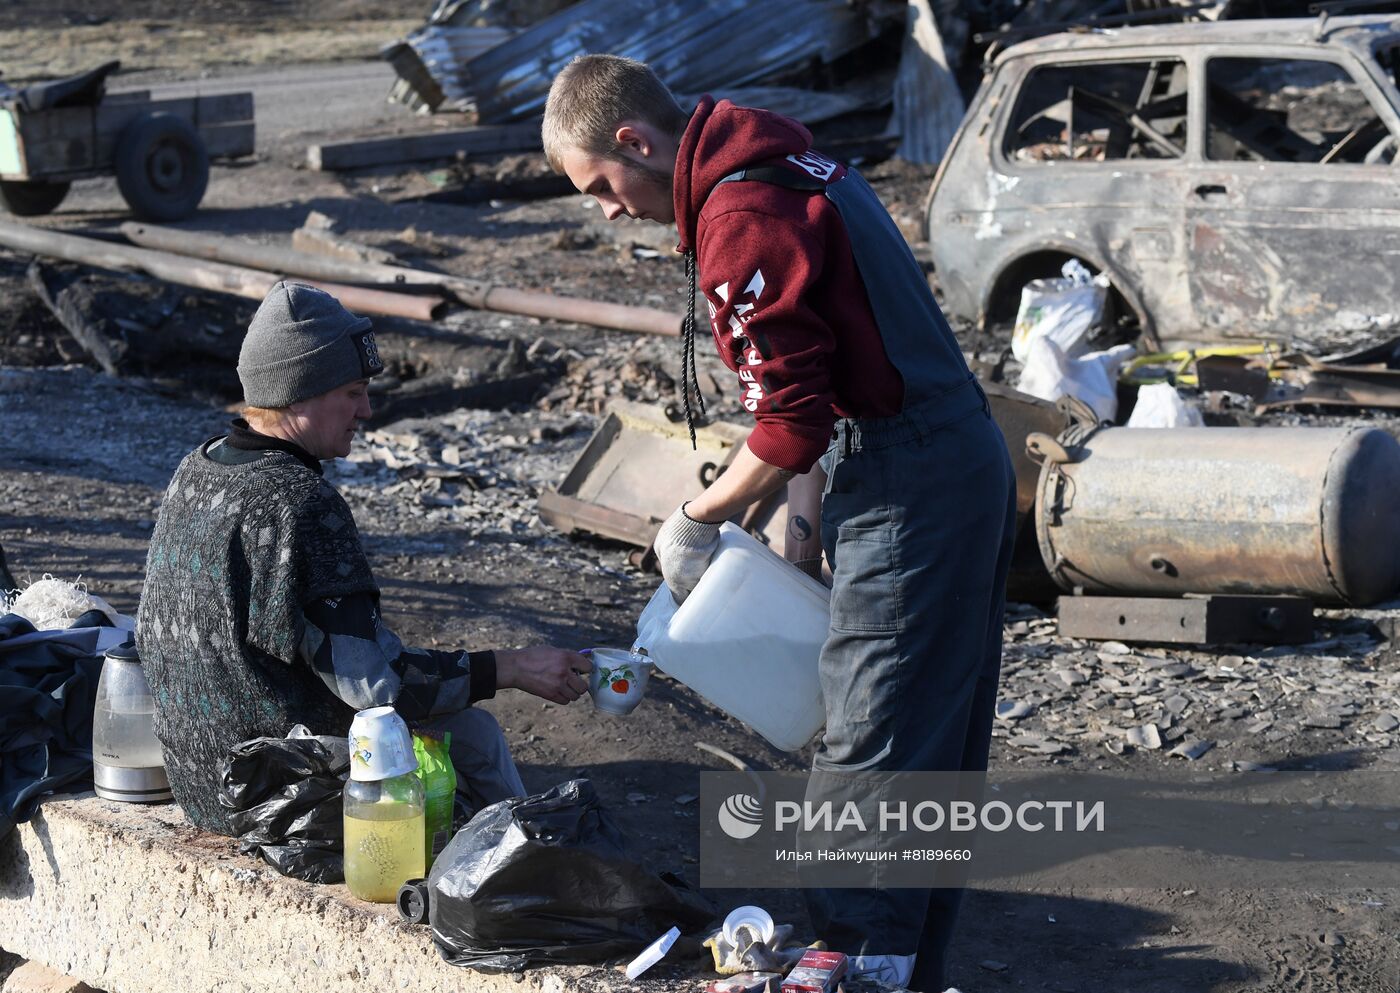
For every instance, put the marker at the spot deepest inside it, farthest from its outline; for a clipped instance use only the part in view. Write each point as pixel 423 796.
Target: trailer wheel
pixel 30 198
pixel 162 167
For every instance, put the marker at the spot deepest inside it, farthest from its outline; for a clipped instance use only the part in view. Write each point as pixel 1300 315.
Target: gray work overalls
pixel 918 521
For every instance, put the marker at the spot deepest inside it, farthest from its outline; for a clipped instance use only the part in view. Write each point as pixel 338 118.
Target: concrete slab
pixel 133 899
pixel 32 977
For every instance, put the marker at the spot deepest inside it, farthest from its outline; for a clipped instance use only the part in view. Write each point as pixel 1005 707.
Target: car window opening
pixel 1100 112
pixel 1292 110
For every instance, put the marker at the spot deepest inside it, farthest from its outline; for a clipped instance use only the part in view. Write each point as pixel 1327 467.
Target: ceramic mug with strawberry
pixel 618 680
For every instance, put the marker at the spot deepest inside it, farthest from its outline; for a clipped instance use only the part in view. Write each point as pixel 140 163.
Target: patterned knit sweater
pixel 236 553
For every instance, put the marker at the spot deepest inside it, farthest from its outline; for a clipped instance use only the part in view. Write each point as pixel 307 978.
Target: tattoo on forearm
pixel 799 528
pixel 785 474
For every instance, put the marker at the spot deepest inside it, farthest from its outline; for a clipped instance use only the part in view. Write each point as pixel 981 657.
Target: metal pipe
pixel 472 293
pixel 220 277
pixel 255 255
pixel 1282 511
pixel 620 317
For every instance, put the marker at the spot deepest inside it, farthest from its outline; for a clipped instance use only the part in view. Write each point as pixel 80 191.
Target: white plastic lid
pixel 755 919
pixel 380 746
pixel 654 953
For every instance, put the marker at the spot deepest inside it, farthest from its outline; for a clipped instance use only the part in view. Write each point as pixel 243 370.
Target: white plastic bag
pixel 1050 374
pixel 1063 310
pixel 1161 406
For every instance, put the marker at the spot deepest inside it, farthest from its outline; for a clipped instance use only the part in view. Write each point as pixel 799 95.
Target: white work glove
pixel 683 549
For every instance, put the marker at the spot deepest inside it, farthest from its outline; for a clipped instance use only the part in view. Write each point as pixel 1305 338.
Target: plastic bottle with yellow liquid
pixel 384 808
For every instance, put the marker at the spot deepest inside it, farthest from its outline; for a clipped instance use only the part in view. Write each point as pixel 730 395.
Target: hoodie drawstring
pixel 689 380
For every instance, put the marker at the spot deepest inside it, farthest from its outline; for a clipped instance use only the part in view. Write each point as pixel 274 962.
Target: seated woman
pixel 259 610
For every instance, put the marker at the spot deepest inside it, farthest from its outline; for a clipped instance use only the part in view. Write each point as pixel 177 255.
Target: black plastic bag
pixel 283 801
pixel 548 879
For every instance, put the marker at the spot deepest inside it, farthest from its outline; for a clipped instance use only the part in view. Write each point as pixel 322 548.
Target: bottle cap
pixel 380 746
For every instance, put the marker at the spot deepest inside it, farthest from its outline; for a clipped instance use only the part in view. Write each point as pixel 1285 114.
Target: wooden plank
pixel 568 514
pixel 229 141
pixel 643 320
pixel 434 396
pixel 57 141
pixel 224 108
pixel 211 115
pixel 241 281
pixel 635 470
pixel 113 120
pixel 1207 620
pixel 423 147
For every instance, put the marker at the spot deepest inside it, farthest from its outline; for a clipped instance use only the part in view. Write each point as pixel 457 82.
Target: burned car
pixel 1233 179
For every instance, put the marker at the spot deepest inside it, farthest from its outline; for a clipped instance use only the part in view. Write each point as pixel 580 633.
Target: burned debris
pixel 507 81
pixel 1177 160
pixel 1138 233
pixel 133 327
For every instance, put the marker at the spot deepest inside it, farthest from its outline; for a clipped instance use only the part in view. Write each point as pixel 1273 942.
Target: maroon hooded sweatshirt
pixel 788 309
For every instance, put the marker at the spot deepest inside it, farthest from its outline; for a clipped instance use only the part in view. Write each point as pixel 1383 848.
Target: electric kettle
pixel 126 759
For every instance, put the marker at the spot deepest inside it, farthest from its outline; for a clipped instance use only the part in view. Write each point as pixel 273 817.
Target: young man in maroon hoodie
pixel 842 356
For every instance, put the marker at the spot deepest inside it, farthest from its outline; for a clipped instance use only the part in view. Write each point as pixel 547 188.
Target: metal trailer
pixel 159 150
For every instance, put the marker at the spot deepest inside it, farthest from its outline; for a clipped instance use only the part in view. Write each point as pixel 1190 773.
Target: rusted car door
pixel 1294 208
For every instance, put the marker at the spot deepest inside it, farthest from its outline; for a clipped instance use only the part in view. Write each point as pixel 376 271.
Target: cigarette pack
pixel 816 972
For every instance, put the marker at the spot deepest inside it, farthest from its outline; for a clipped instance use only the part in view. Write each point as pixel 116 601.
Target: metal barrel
pixel 1288 511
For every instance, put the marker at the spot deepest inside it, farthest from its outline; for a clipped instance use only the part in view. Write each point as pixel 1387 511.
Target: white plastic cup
pixel 380 746
pixel 757 921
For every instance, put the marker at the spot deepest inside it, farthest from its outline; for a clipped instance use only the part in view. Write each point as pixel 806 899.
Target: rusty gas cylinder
pixel 1309 512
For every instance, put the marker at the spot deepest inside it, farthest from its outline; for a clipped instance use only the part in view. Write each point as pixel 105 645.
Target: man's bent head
pixel 612 127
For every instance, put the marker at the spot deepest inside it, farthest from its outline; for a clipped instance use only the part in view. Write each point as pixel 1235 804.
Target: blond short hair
pixel 593 95
pixel 263 417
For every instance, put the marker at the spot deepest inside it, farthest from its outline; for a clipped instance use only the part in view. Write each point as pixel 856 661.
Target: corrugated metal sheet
pixel 441 52
pixel 928 106
pixel 694 46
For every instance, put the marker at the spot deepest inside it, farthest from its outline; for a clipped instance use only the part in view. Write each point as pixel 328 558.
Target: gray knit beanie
pixel 302 343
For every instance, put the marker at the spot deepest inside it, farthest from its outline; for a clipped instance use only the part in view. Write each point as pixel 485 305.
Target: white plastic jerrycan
pixel 747 639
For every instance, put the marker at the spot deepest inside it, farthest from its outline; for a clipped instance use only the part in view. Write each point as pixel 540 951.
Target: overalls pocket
pixel 865 595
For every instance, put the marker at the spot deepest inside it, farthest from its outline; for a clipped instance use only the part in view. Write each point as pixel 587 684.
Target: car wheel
pixel 26 198
pixel 162 167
